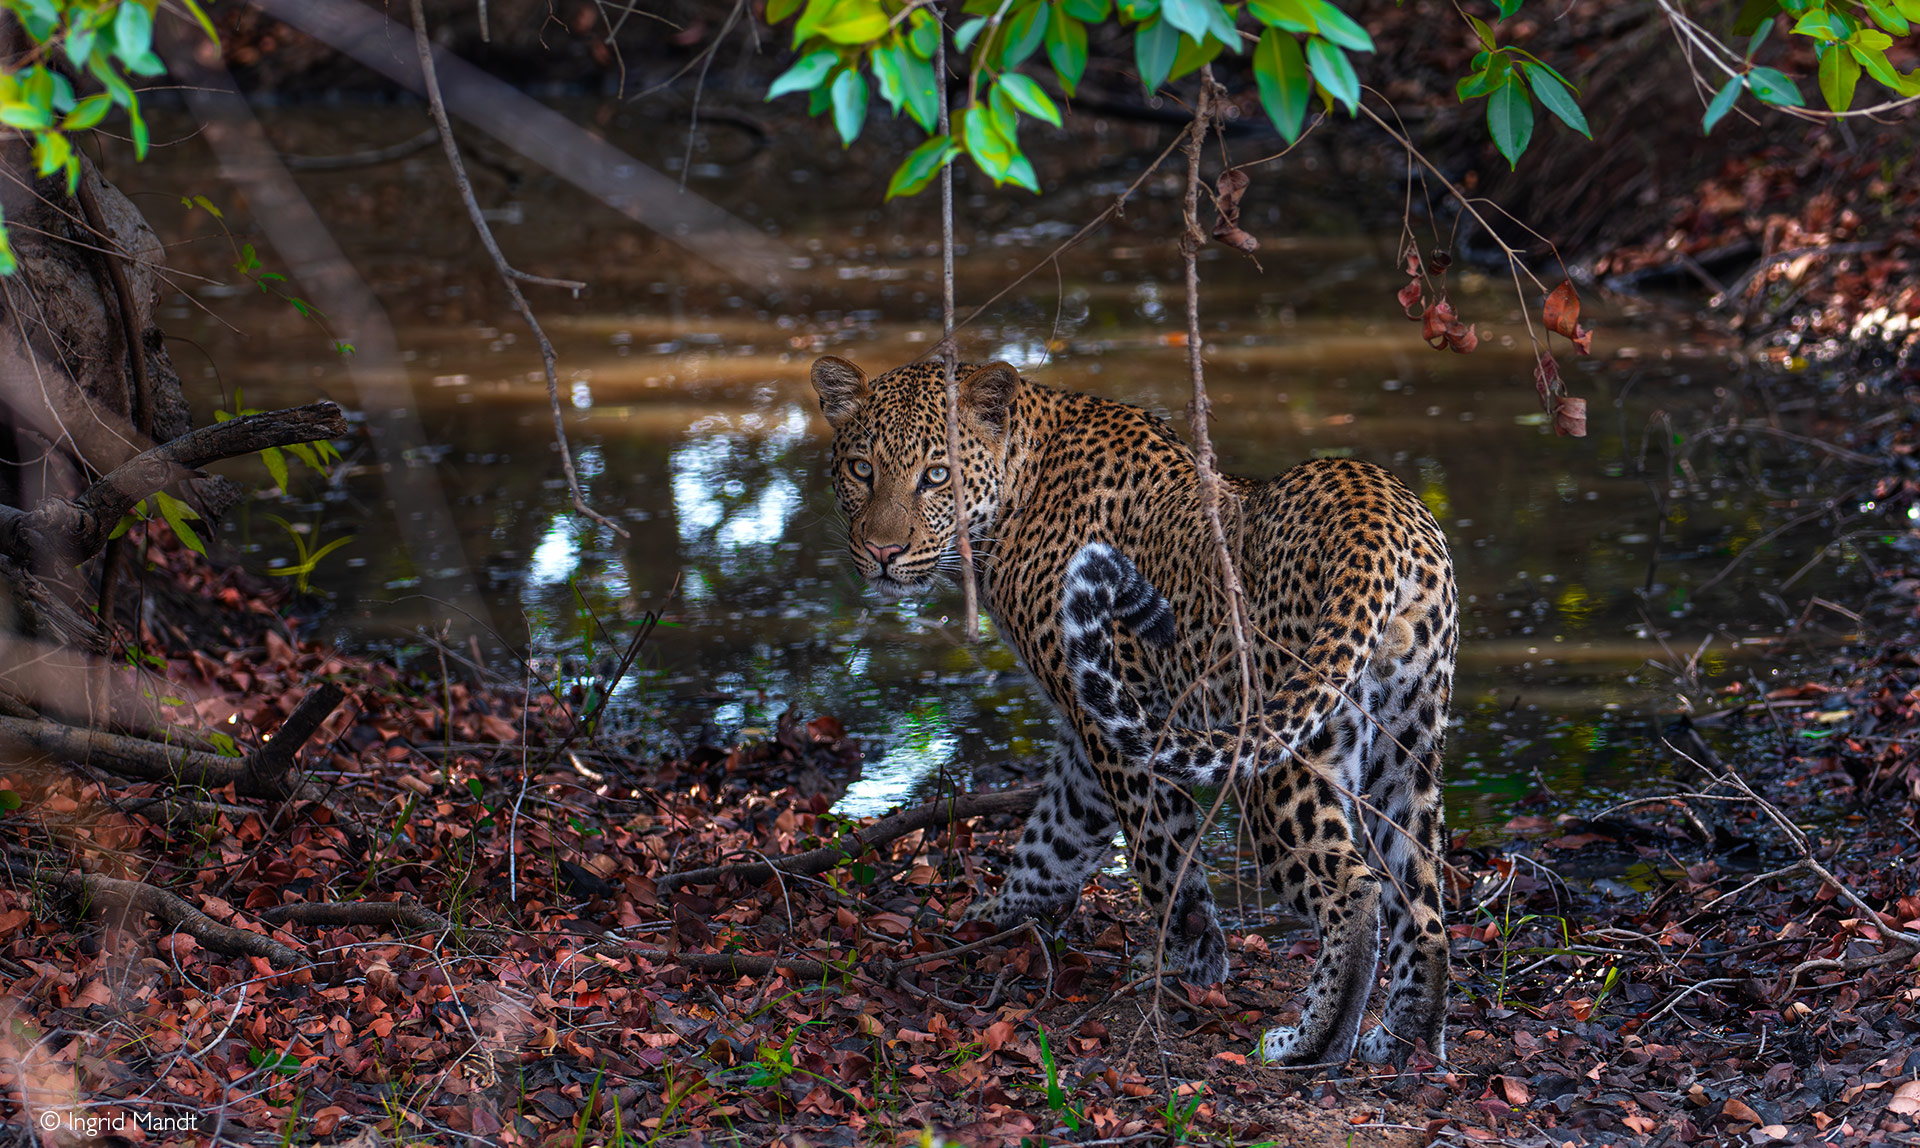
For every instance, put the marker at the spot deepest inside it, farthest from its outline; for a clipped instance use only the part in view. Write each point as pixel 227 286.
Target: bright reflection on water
pixel 695 428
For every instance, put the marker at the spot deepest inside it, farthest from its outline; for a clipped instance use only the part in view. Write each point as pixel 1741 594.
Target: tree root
pixel 887 829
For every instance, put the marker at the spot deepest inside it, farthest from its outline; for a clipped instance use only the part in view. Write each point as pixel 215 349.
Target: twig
pixel 273 761
pixel 1013 801
pixel 508 275
pixel 949 354
pixel 171 910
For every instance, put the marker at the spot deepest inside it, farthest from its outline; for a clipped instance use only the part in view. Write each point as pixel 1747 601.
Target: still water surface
pixel 694 426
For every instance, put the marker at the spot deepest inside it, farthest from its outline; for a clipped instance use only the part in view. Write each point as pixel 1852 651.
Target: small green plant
pixel 1177 1117
pixel 176 513
pixel 318 455
pixel 1056 1095
pixel 309 558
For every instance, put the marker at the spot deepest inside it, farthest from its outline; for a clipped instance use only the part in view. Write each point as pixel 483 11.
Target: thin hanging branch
pixel 509 275
pixel 949 354
pixel 1200 407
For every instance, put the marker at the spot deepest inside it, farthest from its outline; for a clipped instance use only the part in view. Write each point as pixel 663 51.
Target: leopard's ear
pixel 842 388
pixel 988 393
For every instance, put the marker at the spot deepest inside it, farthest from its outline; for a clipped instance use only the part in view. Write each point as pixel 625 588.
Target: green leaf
pixel 1285 88
pixel 1877 66
pixel 132 33
pixel 1334 72
pixel 1154 47
pixel 102 70
pixel 1020 171
pixel 10 800
pixel 1025 31
pixel 1029 98
pixel 51 152
pixel 1087 11
pixel 1723 101
pixel 1775 88
pixel 804 75
pixel 923 34
pixel 918 87
pixel 1510 116
pixel 1872 39
pixel 991 150
pixel 1189 16
pixel 1908 8
pixel 1753 15
pixel 200 17
pixel 177 513
pixel 1556 98
pixel 1839 73
pixel 778 11
pixel 850 21
pixel 276 461
pixel 26 117
pixel 1759 38
pixel 1222 28
pixel 921 165
pixel 1338 27
pixel 1821 25
pixel 1292 15
pixel 1193 55
pixel 965 35
pixel 87 112
pixel 1492 77
pixel 1139 11
pixel 1066 48
pixel 80 36
pixel 885 62
pixel 1481 30
pixel 139 132
pixel 1507 8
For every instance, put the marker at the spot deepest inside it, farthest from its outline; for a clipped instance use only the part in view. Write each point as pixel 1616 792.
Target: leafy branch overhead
pixel 99 43
pixel 1297 50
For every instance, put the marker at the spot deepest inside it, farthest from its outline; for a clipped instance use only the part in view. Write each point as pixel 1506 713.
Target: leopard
pixel 1323 713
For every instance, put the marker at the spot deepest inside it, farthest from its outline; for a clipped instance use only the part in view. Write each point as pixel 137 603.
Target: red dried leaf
pixel 1546 379
pixel 1440 260
pixel 1562 312
pixel 1433 324
pixel 1570 416
pixel 1231 186
pixel 1462 339
pixel 1412 265
pixel 1409 297
pixel 1514 1089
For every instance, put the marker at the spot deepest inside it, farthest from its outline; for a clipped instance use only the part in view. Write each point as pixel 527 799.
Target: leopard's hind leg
pixel 1310 858
pixel 1407 823
pixel 1068 835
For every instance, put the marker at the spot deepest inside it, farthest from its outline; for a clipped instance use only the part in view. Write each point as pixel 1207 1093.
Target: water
pixel 693 422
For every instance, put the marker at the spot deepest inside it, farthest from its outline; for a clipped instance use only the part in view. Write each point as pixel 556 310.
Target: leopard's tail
pixel 1102 585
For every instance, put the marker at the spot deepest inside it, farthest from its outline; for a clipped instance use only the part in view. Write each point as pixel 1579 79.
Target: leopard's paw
pixel 1277 1045
pixel 1382 1047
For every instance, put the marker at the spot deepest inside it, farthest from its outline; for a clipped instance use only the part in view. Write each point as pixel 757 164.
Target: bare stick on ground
pixel 509 276
pixel 887 829
pixel 126 897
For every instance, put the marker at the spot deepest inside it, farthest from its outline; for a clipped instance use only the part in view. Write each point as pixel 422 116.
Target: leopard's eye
pixel 862 469
pixel 936 475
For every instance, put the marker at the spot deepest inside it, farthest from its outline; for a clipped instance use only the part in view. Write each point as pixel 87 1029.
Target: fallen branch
pixel 887 829
pixel 271 765
pixel 76 529
pixel 148 760
pixel 741 964
pixel 171 910
pixel 411 916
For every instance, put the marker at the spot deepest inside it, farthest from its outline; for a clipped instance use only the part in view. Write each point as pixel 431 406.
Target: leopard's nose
pixel 884 554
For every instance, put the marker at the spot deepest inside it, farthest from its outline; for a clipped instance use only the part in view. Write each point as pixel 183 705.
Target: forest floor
pixel 483 942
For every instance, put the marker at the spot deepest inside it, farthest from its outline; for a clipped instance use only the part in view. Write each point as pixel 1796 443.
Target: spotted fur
pixel 1351 594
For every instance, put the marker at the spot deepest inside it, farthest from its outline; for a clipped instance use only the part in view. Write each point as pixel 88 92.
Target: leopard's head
pixel 890 467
